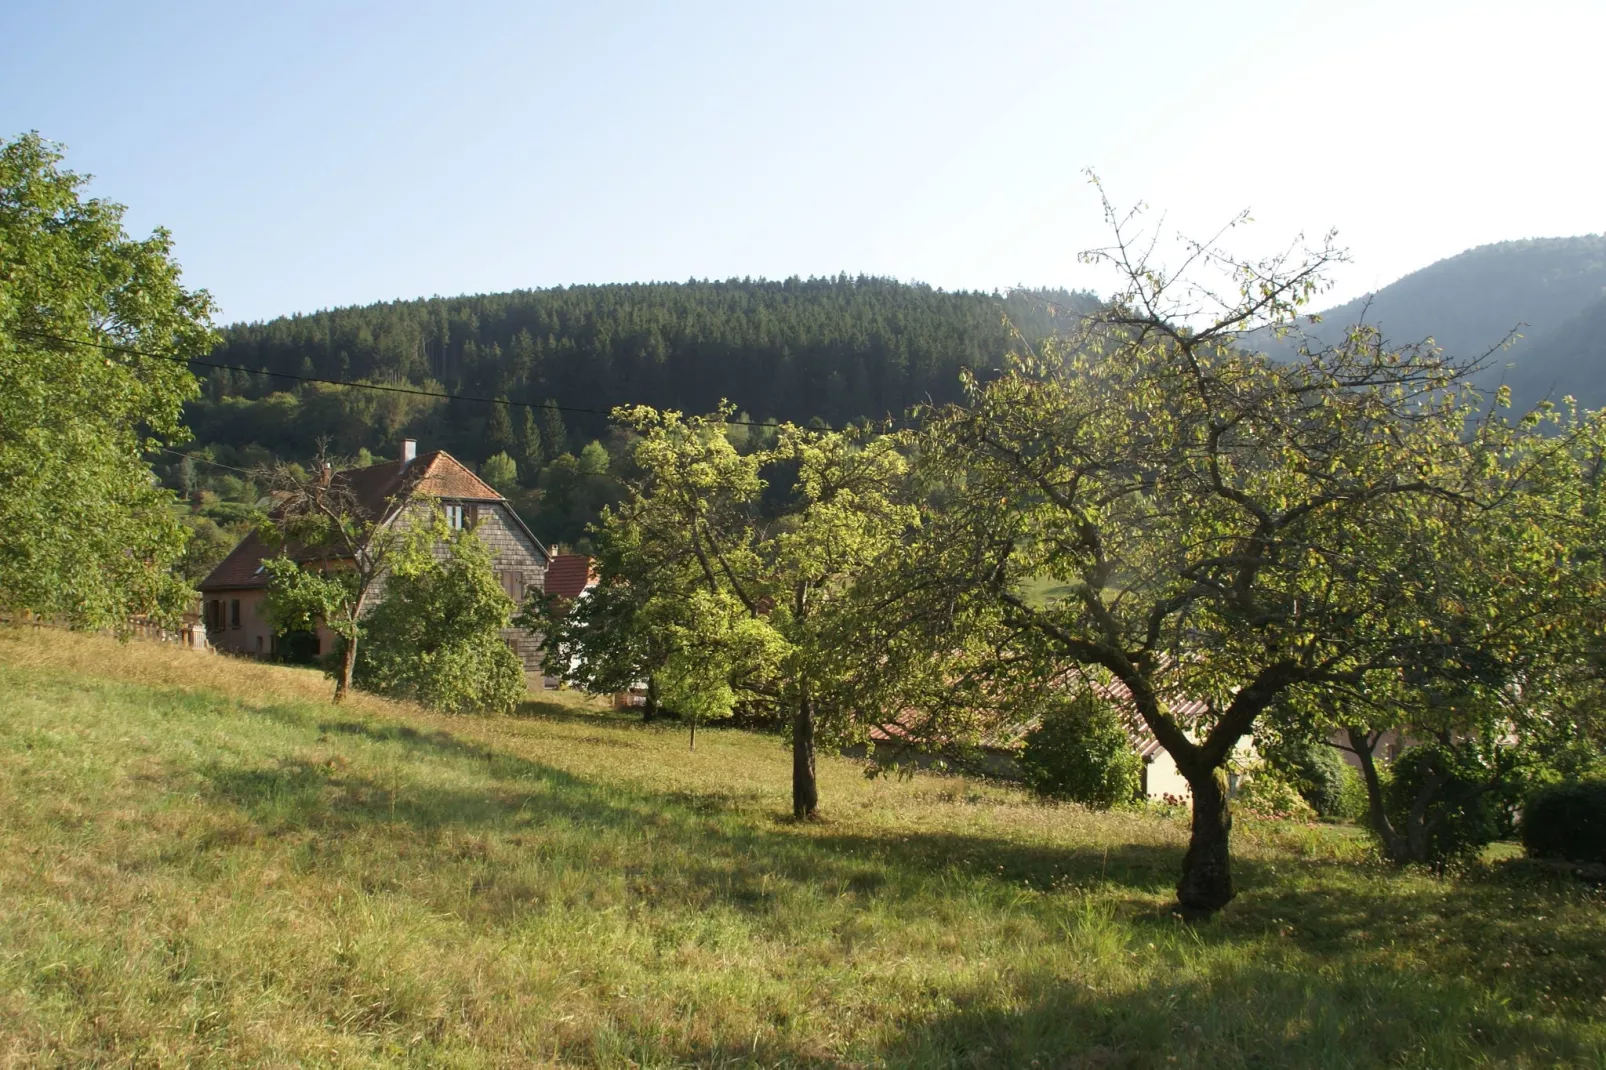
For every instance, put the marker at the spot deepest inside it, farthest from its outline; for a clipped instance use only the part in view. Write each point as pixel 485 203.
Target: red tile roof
pixel 569 574
pixel 377 489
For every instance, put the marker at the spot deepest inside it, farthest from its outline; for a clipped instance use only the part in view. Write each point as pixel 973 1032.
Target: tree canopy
pixel 1228 529
pixel 85 533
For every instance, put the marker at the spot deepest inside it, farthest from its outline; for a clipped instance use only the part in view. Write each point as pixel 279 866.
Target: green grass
pixel 201 862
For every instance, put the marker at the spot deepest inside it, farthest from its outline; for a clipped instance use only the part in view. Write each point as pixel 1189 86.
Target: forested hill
pixel 836 349
pixel 1544 288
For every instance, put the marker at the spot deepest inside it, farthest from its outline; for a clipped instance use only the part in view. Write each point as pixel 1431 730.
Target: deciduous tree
pixel 1224 528
pixel 85 532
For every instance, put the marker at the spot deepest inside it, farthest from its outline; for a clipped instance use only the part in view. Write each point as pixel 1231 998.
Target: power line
pixel 174 358
pixel 204 460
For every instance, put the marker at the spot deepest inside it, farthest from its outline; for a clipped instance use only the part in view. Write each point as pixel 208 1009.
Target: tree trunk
pixel 1206 884
pixel 649 709
pixel 1363 745
pixel 348 661
pixel 805 791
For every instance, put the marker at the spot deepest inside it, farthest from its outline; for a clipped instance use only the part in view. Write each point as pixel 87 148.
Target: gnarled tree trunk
pixel 805 791
pixel 1364 745
pixel 1206 884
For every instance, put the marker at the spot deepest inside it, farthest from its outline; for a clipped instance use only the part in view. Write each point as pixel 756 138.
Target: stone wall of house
pixel 517 561
pixel 520 564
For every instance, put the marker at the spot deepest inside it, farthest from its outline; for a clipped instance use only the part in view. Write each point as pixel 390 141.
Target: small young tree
pixel 501 472
pixel 745 598
pixel 607 640
pixel 436 634
pixel 335 552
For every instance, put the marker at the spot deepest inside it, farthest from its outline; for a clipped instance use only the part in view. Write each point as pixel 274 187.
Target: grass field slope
pixel 203 863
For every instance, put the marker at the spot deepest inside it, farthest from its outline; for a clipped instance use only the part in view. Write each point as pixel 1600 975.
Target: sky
pixel 310 155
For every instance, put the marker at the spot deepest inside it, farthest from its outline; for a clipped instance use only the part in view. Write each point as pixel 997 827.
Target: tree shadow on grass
pixel 1236 1013
pixel 1145 868
pixel 1322 915
pixel 1301 972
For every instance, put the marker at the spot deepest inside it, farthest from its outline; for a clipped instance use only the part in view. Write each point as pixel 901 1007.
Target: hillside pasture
pixel 204 863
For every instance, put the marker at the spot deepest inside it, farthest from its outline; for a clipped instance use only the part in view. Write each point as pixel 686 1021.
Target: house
pixel 998 754
pixel 234 593
pixel 569 575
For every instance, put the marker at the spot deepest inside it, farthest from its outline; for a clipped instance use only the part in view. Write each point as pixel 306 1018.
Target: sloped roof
pixel 242 569
pixel 376 488
pixel 1011 737
pixel 568 575
pixel 437 474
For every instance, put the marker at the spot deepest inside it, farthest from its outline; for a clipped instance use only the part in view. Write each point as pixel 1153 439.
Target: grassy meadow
pixel 204 863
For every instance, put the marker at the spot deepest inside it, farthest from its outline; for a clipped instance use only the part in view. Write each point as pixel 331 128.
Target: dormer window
pixel 454 516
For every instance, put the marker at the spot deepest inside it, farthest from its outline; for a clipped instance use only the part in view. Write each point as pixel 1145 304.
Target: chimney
pixel 409 452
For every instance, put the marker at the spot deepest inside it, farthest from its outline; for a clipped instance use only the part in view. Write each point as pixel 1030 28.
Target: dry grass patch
pixel 205 863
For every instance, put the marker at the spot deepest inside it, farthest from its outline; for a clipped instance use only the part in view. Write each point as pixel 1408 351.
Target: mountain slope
pixel 1470 303
pixel 1570 359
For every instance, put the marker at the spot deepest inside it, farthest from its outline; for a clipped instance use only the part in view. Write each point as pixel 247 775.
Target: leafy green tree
pixel 1226 528
pixel 593 460
pixel 609 639
pixel 1511 690
pixel 501 472
pixel 1440 797
pixel 1318 773
pixel 1080 751
pixel 86 534
pixel 747 600
pixel 436 635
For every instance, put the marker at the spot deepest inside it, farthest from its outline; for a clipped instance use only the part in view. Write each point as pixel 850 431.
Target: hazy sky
pixel 315 154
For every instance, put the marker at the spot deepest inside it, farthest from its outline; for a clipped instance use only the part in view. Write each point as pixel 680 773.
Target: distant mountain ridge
pixel 1550 291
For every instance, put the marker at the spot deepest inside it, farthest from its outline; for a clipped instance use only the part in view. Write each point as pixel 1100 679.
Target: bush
pixel 437 636
pixel 1080 751
pixel 1461 812
pixel 1267 792
pixel 1566 821
pixel 1322 777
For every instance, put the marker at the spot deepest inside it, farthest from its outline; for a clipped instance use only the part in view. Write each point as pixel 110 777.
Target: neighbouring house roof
pixel 1011 737
pixel 569 574
pixel 377 488
pixel 242 569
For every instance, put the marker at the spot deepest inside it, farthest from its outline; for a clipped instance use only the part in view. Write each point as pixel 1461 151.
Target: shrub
pixel 1322 777
pixel 1566 821
pixel 1460 811
pixel 1079 751
pixel 1264 790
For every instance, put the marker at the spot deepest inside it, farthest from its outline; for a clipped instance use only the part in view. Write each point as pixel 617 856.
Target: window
pixel 454 517
pixel 234 613
pixel 513 584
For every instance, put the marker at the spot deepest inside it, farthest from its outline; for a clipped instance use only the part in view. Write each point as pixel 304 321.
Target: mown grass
pixel 201 862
